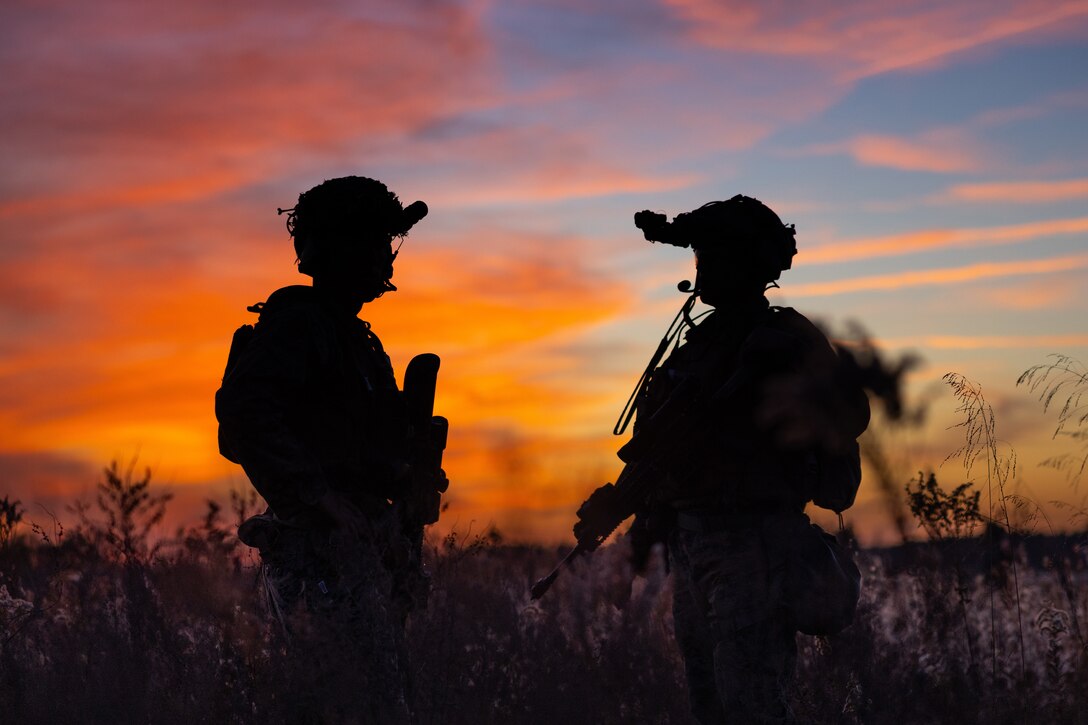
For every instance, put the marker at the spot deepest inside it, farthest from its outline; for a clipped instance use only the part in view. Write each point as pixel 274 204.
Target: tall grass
pixel 981 443
pixel 91 634
pixel 113 621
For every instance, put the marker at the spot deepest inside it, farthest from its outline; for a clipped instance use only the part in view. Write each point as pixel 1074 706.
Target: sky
pixel 931 155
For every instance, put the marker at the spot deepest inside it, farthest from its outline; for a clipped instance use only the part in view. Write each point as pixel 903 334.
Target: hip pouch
pixel 822 583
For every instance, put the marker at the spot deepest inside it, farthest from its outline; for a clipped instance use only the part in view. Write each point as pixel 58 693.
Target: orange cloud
pixel 931 239
pixel 987 342
pixel 1054 293
pixel 136 364
pixel 1020 192
pixel 936 277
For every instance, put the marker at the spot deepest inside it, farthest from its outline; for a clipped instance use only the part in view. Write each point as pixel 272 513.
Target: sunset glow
pixel 931 156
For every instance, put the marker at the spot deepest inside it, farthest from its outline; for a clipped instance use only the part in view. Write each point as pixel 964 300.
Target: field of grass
pixel 982 623
pixel 96 626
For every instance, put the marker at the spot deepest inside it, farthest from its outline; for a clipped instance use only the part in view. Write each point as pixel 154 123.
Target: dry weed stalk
pixel 981 443
pixel 11 514
pixel 1064 379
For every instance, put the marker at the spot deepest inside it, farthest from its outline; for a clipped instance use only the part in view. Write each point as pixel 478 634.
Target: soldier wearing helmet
pixel 721 507
pixel 310 409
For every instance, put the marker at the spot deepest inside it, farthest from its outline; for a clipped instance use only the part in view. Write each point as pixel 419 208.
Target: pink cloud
pixel 941 151
pixel 861 39
pixel 180 101
pixel 943 155
pixel 528 164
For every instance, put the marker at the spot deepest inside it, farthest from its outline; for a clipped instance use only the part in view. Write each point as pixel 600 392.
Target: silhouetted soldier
pixel 310 408
pixel 731 508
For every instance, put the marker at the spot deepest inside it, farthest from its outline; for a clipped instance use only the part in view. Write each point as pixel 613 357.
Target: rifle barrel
pixel 542 586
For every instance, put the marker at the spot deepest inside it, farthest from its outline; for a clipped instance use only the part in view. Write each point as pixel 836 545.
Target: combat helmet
pixel 351 213
pixel 742 228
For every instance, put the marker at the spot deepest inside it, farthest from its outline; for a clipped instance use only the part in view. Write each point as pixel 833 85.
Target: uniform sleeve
pixel 257 407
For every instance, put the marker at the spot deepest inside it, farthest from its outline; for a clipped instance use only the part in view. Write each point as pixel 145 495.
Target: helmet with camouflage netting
pixel 351 214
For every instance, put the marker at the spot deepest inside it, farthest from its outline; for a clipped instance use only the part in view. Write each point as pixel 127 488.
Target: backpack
pixel 239 343
pixel 832 469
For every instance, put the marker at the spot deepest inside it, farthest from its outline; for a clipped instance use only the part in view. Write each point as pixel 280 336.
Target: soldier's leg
pixel 754 644
pixel 754 667
pixel 289 571
pixel 693 635
pixel 362 612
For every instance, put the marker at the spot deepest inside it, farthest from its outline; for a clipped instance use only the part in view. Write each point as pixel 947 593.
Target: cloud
pixel 940 277
pixel 530 164
pixel 950 149
pixel 176 101
pixel 136 363
pixel 1019 192
pixel 942 151
pixel 31 475
pixel 44 477
pixel 935 239
pixel 861 39
pixel 562 181
pixel 147 146
pixel 1054 293
pixel 987 342
pixel 529 484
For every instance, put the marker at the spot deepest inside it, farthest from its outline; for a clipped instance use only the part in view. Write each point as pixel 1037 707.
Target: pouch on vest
pixel 822 583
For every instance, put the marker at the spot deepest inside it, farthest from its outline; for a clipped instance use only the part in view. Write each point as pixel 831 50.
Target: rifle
pixel 675 429
pixel 421 503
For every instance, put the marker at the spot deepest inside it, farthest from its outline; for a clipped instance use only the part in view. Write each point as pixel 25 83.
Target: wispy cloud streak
pixel 862 39
pixel 1020 192
pixel 944 151
pixel 987 342
pixel 935 239
pixel 940 277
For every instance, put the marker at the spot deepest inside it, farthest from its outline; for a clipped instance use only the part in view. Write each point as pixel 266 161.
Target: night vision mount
pixel 742 225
